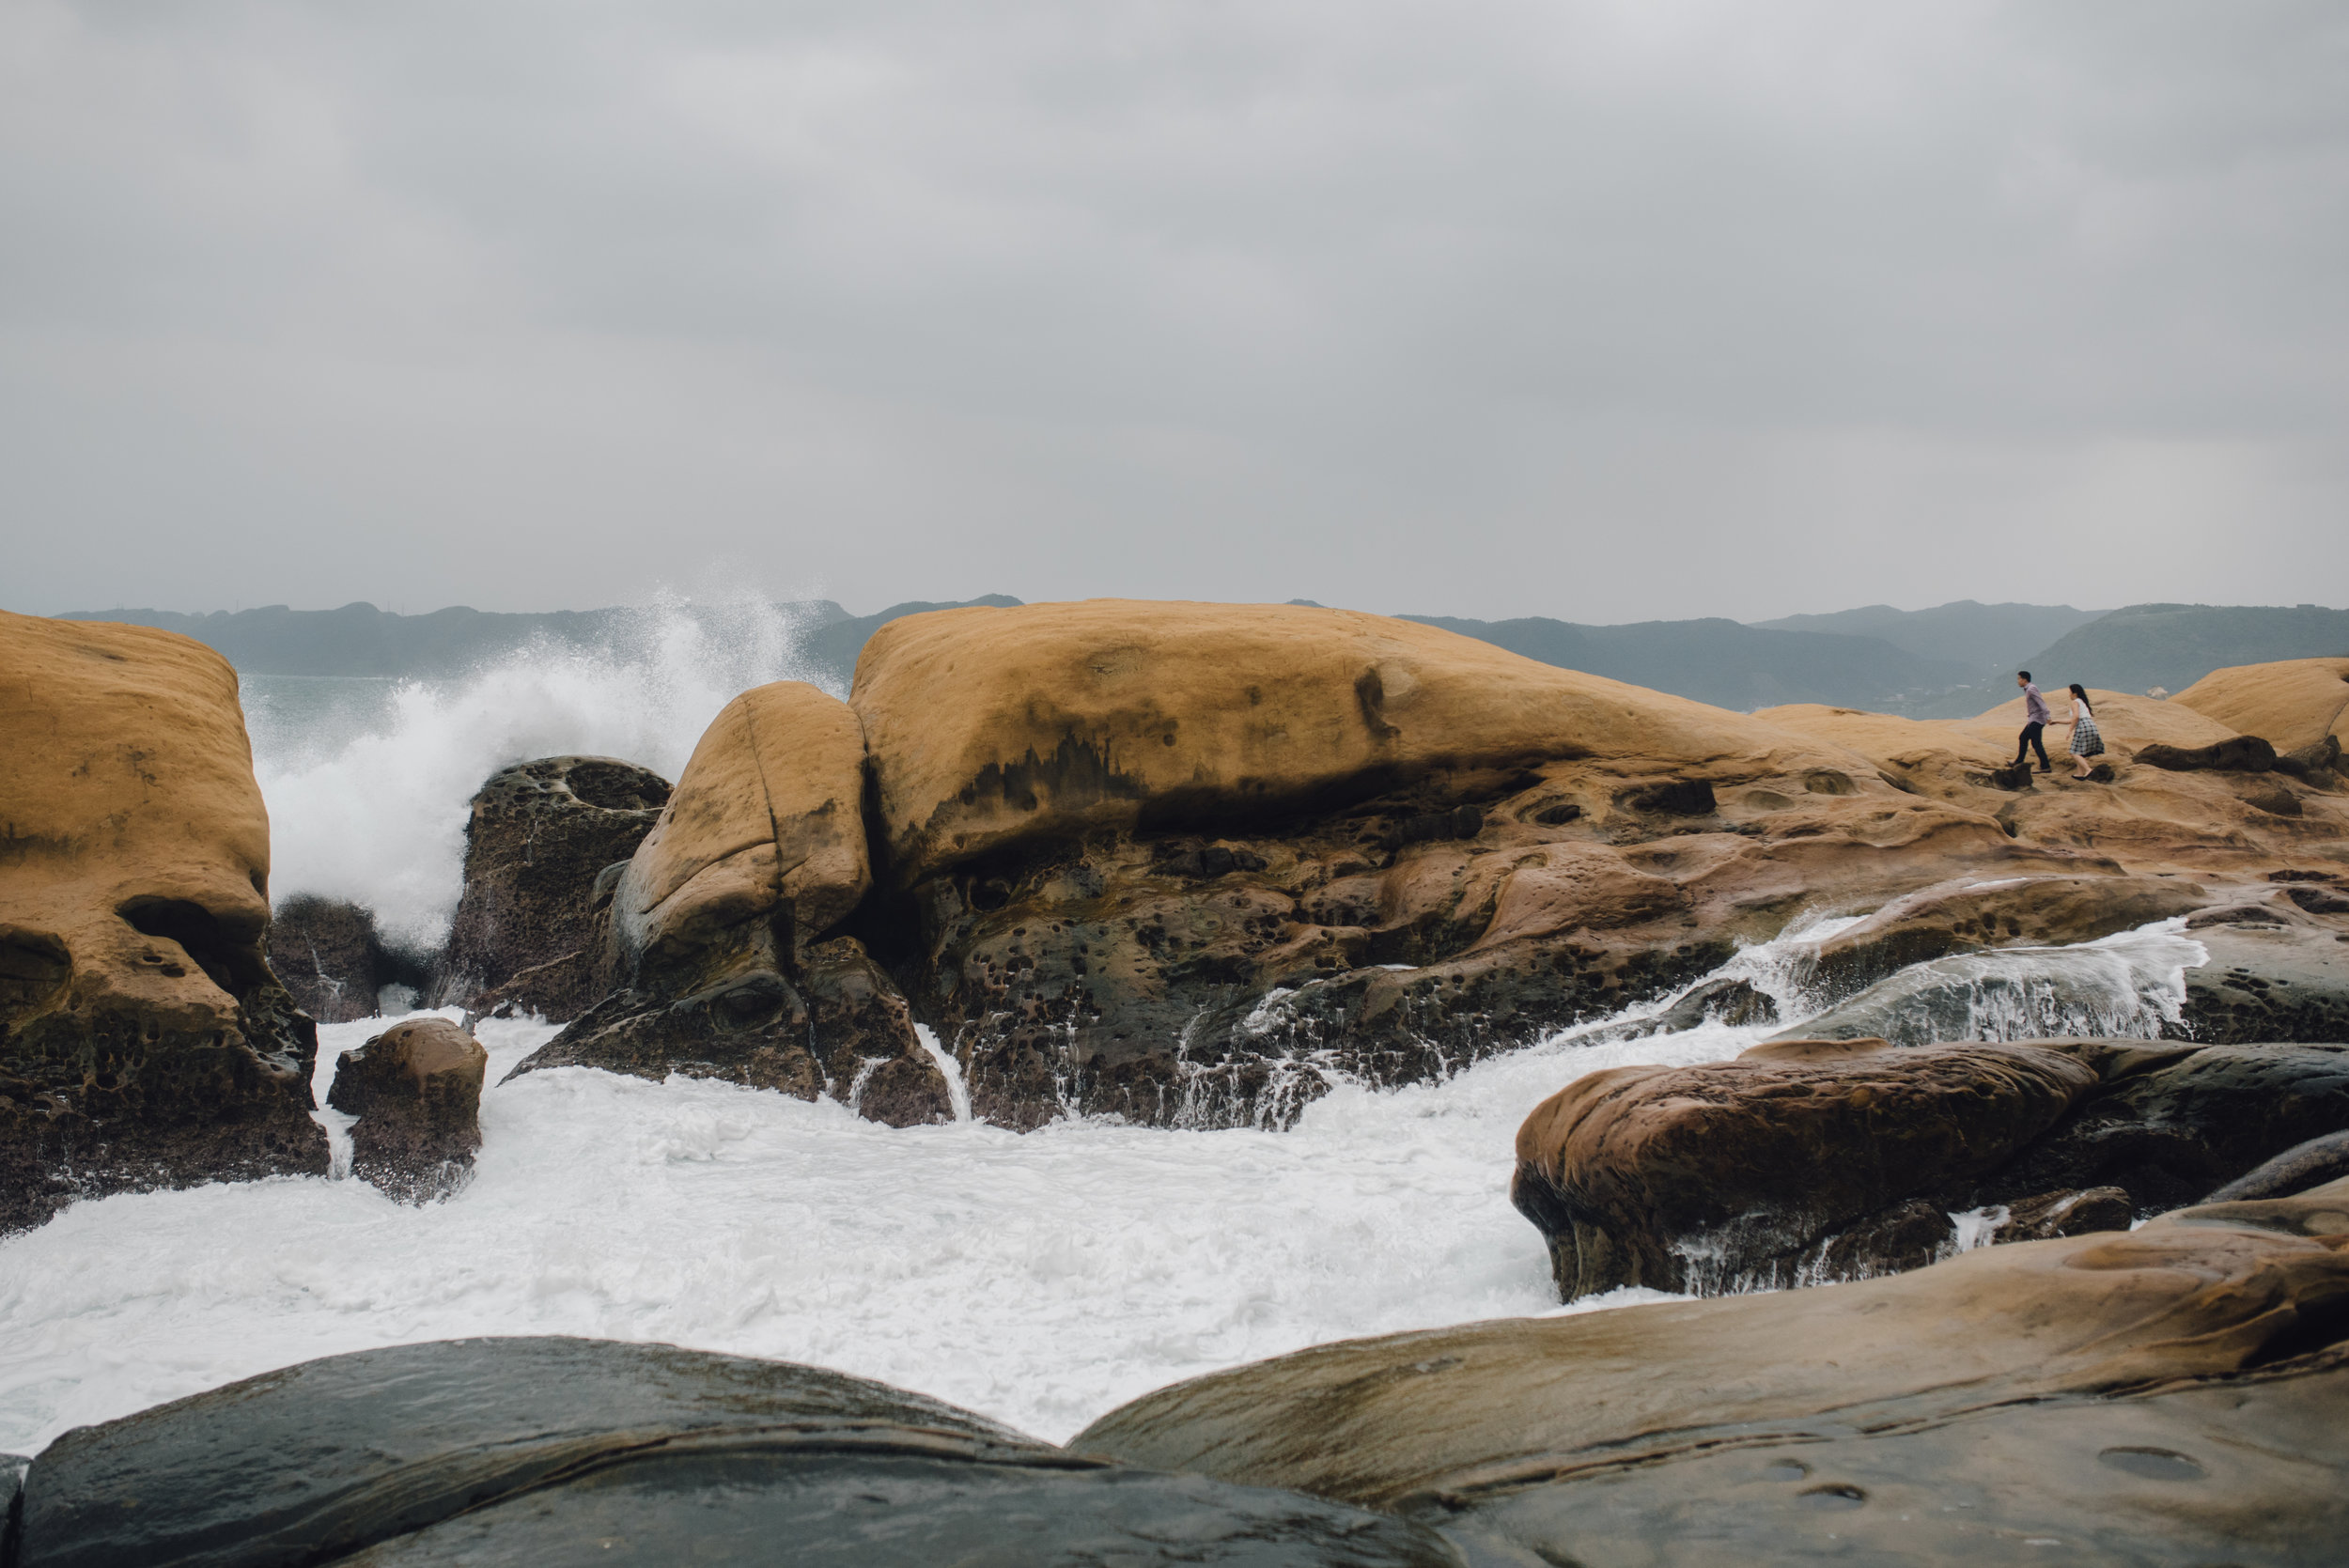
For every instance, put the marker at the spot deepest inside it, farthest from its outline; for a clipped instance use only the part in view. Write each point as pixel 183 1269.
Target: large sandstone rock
pixel 2167 1395
pixel 143 1042
pixel 1176 862
pixel 559 1451
pixel 1805 1160
pixel 722 940
pixel 416 1090
pixel 526 934
pixel 335 963
pixel 2290 704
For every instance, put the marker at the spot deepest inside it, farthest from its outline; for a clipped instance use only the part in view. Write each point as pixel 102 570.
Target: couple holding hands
pixel 2087 742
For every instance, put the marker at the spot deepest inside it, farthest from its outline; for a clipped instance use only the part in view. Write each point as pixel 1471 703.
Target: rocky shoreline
pixel 1186 866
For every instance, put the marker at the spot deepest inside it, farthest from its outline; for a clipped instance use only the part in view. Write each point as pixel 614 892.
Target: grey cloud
pixel 1603 311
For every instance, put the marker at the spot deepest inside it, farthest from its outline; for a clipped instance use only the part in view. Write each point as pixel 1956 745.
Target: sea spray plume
pixel 377 815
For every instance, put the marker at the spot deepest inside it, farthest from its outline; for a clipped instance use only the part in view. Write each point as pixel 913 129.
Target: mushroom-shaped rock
pixel 562 1451
pixel 1175 862
pixel 541 834
pixel 416 1090
pixel 2169 1394
pixel 720 933
pixel 2290 704
pixel 143 1042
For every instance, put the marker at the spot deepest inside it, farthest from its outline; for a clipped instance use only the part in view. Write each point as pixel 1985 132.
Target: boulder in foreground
pixel 722 937
pixel 2171 1395
pixel 561 1451
pixel 143 1042
pixel 416 1090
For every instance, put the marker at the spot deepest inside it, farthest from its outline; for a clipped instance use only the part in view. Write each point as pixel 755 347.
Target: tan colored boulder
pixel 416 1091
pixel 2169 1394
pixel 720 949
pixel 2290 704
pixel 143 1040
pixel 1803 1161
pixel 1176 863
pixel 992 726
pixel 765 821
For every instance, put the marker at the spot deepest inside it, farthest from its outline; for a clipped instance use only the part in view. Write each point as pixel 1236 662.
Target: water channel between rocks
pixel 1039 1279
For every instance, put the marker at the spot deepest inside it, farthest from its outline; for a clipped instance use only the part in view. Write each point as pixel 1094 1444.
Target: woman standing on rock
pixel 2087 741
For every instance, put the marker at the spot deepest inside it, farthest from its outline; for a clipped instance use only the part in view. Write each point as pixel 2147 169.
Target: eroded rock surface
pixel 526 935
pixel 143 1042
pixel 560 1450
pixel 723 932
pixel 1169 861
pixel 2167 1395
pixel 1809 1160
pixel 416 1090
pixel 333 961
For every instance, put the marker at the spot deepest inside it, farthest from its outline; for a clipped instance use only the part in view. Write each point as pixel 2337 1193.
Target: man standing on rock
pixel 2035 717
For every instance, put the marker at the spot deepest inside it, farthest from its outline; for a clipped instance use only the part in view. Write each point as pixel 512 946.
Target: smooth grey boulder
pixel 558 1451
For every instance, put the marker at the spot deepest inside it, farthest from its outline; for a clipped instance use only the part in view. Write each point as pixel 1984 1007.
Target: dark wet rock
pixel 1809 1160
pixel 2013 776
pixel 2303 1166
pixel 556 1451
pixel 2242 753
pixel 143 1042
pixel 526 935
pixel 2288 982
pixel 416 1090
pixel 2169 1396
pixel 335 963
pixel 725 935
pixel 2319 901
pixel 2048 1215
pixel 2314 763
pixel 12 1469
pixel 836 1026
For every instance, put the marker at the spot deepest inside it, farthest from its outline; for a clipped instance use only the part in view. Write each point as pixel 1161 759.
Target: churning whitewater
pixel 1040 1278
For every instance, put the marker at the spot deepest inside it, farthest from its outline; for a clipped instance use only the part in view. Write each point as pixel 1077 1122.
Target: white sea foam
pixel 366 782
pixel 1040 1278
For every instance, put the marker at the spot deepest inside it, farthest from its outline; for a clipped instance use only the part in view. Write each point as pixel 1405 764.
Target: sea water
pixel 1039 1279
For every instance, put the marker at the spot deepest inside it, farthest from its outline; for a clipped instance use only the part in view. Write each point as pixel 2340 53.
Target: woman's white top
pixel 2079 710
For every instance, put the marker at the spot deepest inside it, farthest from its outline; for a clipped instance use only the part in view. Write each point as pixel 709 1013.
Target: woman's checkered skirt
pixel 2087 742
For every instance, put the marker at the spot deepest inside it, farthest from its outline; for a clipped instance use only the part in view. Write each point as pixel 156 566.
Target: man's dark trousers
pixel 2030 741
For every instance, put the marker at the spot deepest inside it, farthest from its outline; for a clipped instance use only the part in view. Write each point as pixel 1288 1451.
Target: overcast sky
pixel 1603 311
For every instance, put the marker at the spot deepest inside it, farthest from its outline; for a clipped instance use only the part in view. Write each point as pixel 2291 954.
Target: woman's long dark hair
pixel 2081 693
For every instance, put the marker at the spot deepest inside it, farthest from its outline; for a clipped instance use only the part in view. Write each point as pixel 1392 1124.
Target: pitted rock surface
pixel 143 1042
pixel 526 934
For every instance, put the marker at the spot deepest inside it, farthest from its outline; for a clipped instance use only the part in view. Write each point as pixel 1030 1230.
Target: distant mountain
pixel 2174 645
pixel 834 648
pixel 1975 636
pixel 1724 662
pixel 362 640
